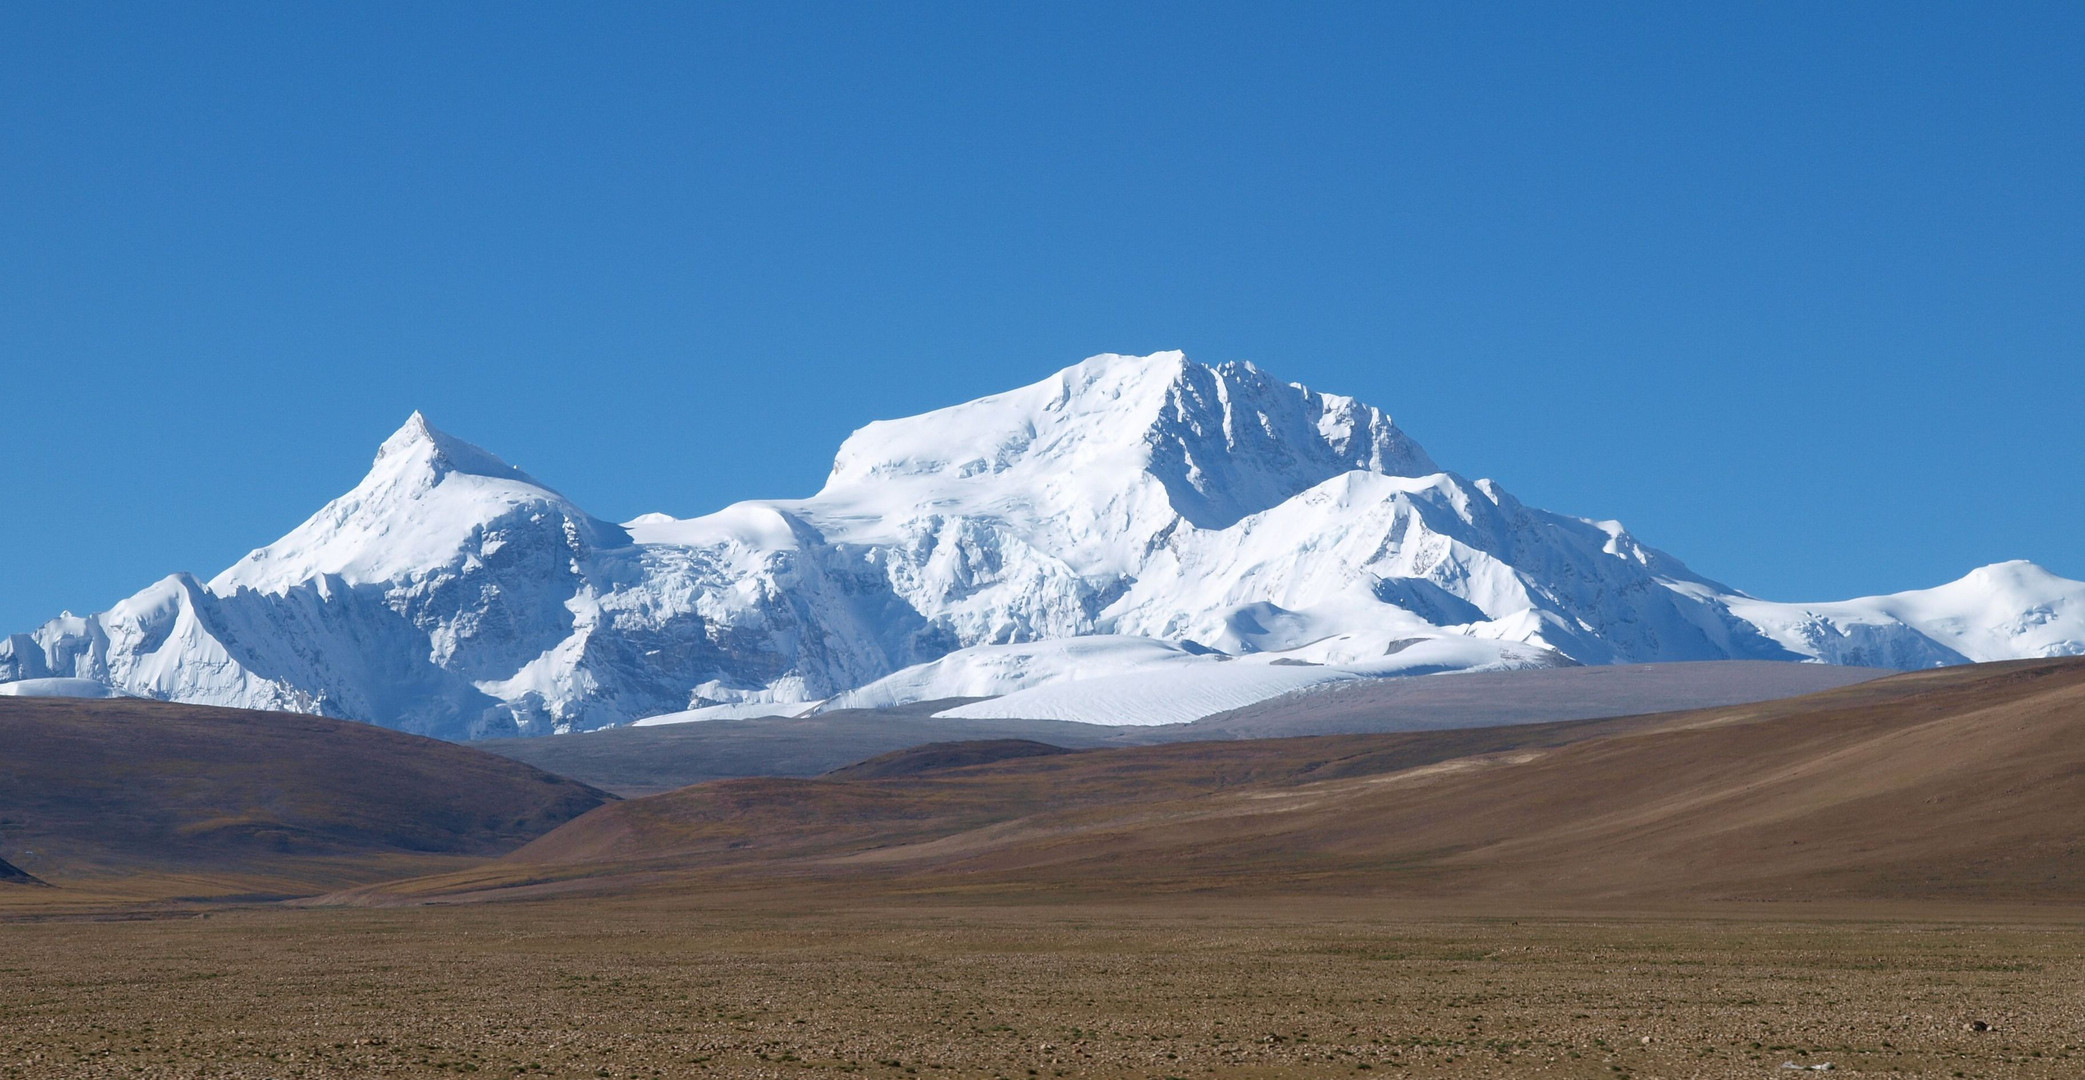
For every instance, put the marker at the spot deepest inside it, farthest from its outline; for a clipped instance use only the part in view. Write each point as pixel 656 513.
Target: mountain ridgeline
pixel 1207 511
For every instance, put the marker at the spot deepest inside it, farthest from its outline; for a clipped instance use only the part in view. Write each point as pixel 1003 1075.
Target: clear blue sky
pixel 1797 292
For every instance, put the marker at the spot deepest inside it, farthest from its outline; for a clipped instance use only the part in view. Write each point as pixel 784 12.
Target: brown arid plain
pixel 1882 879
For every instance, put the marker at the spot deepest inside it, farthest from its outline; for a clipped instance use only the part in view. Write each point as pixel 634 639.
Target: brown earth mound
pixel 1964 783
pixel 210 800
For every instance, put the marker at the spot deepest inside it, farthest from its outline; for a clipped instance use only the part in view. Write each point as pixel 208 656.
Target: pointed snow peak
pixel 421 443
pixel 427 505
pixel 415 435
pixel 416 429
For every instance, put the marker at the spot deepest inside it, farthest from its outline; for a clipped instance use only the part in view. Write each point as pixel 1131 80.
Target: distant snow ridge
pixel 1139 681
pixel 59 688
pixel 1134 539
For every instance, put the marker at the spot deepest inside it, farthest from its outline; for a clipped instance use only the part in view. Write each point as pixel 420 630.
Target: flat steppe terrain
pixel 762 985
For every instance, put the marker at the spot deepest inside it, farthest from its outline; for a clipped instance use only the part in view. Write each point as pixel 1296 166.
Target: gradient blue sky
pixel 1797 292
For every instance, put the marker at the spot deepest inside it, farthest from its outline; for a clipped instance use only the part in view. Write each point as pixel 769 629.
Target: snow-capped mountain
pixel 1172 515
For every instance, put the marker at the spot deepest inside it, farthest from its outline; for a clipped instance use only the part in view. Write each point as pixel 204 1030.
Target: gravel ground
pixel 681 987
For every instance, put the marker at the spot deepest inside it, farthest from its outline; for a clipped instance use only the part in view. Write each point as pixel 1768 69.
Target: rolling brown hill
pixel 1955 784
pixel 144 798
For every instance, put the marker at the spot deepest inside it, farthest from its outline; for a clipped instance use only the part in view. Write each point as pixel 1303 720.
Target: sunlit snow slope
pixel 1201 534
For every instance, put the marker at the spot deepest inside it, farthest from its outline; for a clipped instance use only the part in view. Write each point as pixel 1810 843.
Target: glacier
pixel 1204 532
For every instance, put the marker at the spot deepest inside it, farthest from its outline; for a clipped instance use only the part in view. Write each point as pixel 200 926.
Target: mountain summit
pixel 431 504
pixel 1243 534
pixel 1219 443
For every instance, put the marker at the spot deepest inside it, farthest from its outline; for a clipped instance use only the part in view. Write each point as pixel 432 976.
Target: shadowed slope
pixel 1961 783
pixel 647 760
pixel 111 790
pixel 935 757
